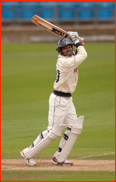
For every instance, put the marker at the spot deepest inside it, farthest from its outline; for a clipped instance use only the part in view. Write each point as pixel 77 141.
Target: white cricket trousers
pixel 62 114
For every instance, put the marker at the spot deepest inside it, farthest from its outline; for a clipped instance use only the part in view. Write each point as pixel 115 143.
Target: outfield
pixel 27 77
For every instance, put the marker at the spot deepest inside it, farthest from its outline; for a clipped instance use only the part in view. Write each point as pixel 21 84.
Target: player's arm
pixel 82 54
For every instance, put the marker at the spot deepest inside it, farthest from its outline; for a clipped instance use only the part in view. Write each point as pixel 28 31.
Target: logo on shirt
pixel 75 70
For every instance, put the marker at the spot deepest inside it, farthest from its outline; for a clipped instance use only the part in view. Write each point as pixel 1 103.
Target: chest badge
pixel 75 70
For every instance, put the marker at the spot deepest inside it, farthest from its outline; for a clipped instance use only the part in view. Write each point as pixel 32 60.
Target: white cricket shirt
pixel 67 73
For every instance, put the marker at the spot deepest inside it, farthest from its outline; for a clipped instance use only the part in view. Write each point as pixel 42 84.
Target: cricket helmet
pixel 62 43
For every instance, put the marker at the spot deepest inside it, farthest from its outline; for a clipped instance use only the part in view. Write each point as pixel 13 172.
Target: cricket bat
pixel 50 27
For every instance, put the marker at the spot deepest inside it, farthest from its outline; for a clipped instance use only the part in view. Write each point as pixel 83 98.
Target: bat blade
pixel 50 27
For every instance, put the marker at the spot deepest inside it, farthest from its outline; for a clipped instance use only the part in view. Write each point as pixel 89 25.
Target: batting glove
pixel 75 37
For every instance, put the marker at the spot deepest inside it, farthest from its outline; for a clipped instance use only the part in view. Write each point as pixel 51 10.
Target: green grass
pixel 27 77
pixel 57 176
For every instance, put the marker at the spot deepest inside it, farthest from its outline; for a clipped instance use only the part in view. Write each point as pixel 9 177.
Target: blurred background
pixel 28 71
pixel 95 20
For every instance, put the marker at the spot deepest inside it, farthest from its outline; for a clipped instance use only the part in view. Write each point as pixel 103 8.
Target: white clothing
pixel 61 112
pixel 67 76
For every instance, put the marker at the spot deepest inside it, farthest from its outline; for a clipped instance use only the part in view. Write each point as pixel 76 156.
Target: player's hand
pixel 74 36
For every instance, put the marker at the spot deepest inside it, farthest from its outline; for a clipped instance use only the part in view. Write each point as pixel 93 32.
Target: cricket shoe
pixel 65 163
pixel 30 161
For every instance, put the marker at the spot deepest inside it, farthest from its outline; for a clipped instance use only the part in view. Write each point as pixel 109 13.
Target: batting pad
pixel 53 135
pixel 62 142
pixel 75 131
pixel 40 137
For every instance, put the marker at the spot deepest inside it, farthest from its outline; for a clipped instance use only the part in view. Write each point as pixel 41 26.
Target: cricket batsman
pixel 62 113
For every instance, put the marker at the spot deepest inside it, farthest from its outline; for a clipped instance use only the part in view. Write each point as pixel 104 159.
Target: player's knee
pixel 55 133
pixel 78 126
